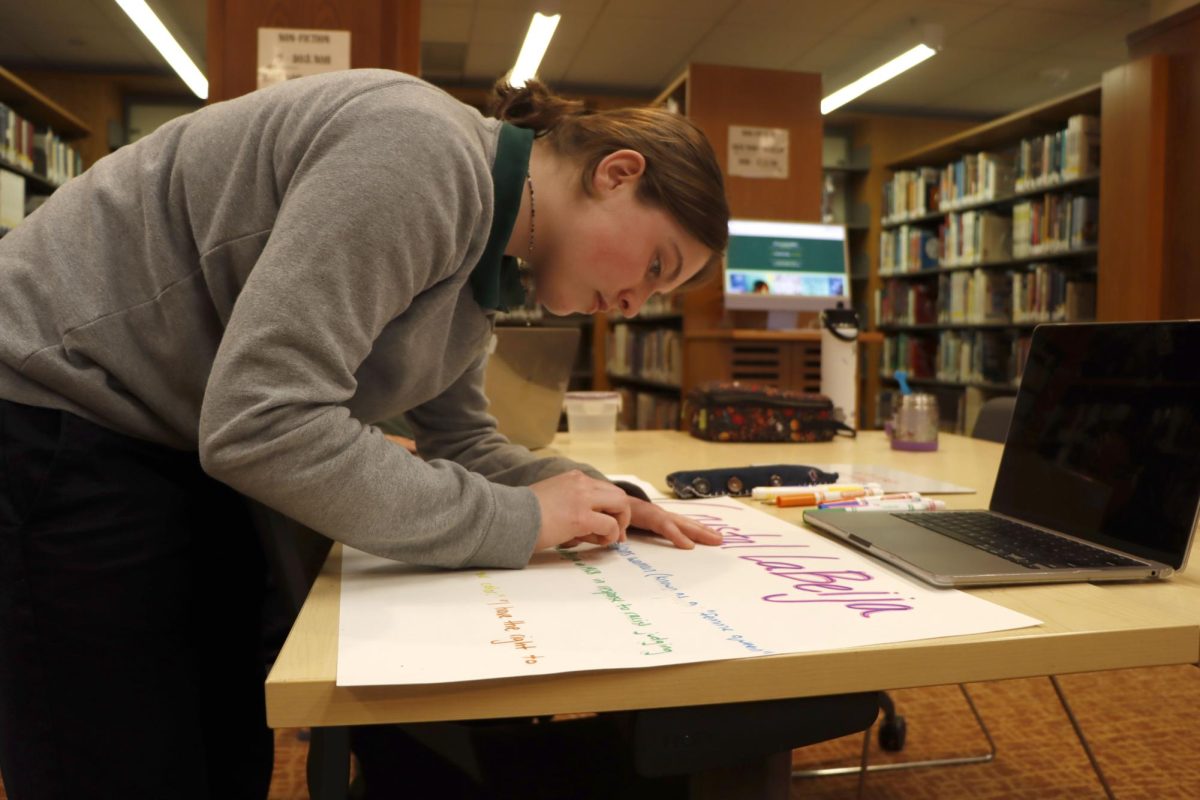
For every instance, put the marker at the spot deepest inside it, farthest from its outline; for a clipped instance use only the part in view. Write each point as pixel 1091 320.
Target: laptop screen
pixel 1105 436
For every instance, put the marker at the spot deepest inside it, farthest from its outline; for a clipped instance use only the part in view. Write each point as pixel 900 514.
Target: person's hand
pixel 680 531
pixel 577 508
pixel 403 441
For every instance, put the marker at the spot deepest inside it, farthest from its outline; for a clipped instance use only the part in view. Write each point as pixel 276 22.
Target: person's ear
pixel 617 169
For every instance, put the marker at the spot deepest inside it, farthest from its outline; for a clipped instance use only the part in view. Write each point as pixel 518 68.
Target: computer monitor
pixel 785 267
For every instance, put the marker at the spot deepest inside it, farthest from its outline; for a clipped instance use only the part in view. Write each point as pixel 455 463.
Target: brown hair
pixel 682 176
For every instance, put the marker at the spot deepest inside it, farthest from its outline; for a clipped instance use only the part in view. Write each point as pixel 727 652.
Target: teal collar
pixel 496 281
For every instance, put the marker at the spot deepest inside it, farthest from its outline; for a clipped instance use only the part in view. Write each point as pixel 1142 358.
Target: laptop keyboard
pixel 1015 542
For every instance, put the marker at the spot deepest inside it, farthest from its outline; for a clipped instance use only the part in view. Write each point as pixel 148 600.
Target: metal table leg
pixel 329 763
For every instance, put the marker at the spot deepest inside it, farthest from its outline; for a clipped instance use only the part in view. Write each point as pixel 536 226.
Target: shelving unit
pixel 960 288
pixel 644 363
pixel 18 182
pixel 845 170
pixel 1088 254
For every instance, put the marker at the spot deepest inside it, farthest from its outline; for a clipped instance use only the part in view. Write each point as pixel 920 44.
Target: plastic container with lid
pixel 592 413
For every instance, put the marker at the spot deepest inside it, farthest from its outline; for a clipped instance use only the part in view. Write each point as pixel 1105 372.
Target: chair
pixel 993 420
pixel 992 425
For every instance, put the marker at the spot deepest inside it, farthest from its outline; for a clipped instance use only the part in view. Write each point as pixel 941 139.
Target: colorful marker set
pixel 906 501
pixel 769 494
pixel 845 497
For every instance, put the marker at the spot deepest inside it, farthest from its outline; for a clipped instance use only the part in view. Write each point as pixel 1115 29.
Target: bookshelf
pixel 844 171
pixel 983 235
pixel 35 158
pixel 644 363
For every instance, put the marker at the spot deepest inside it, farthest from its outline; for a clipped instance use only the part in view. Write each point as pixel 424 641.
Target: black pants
pixel 131 587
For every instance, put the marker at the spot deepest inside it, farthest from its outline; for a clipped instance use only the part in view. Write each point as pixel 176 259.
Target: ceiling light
pixel 152 28
pixel 541 29
pixel 875 77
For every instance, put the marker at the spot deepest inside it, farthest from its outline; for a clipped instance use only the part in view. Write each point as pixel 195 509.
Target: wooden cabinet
pixel 1149 236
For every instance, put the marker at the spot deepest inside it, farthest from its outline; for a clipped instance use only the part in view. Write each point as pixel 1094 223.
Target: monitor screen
pixel 785 266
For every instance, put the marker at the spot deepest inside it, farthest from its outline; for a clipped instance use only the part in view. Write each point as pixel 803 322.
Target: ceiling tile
pixel 1088 8
pixel 887 19
pixel 634 52
pixel 1024 84
pixel 751 46
pixel 526 7
pixel 1024 29
pixel 1106 40
pixel 927 83
pixel 805 19
pixel 844 58
pixel 446 22
pixel 497 26
pixel 572 32
pixel 669 9
pixel 186 20
pixel 1056 72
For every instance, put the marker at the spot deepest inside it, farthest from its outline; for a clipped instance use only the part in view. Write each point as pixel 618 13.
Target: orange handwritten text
pixel 503 609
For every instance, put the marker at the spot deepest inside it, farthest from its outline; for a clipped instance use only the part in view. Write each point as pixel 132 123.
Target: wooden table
pixel 1086 627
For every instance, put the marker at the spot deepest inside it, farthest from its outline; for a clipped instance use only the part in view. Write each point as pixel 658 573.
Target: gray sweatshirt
pixel 262 279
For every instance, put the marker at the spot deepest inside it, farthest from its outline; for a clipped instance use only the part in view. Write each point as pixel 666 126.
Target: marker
pixel 815 498
pixel 872 500
pixel 921 505
pixel 767 494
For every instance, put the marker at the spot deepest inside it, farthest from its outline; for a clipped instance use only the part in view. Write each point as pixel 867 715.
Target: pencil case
pixel 739 481
pixel 746 412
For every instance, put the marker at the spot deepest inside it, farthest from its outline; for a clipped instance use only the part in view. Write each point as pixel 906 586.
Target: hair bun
pixel 531 106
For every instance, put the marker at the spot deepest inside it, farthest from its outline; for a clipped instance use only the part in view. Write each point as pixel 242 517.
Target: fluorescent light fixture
pixel 875 77
pixel 537 39
pixel 152 28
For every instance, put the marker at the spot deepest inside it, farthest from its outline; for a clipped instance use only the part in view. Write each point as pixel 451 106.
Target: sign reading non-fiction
pixel 286 53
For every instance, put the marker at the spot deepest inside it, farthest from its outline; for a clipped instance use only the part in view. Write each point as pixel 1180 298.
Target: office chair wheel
pixel 892 733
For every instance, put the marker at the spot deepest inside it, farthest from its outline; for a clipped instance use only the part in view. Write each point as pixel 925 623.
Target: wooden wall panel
pixel 1133 166
pixel 720 96
pixel 383 33
pixel 1177 38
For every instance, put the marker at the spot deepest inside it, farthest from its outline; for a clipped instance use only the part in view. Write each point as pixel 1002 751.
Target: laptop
pixel 526 378
pixel 1100 476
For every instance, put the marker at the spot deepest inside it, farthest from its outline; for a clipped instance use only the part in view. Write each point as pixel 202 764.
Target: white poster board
pixel 771 587
pixel 756 152
pixel 286 53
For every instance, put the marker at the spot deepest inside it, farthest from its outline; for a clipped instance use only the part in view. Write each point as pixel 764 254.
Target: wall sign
pixel 758 152
pixel 286 53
